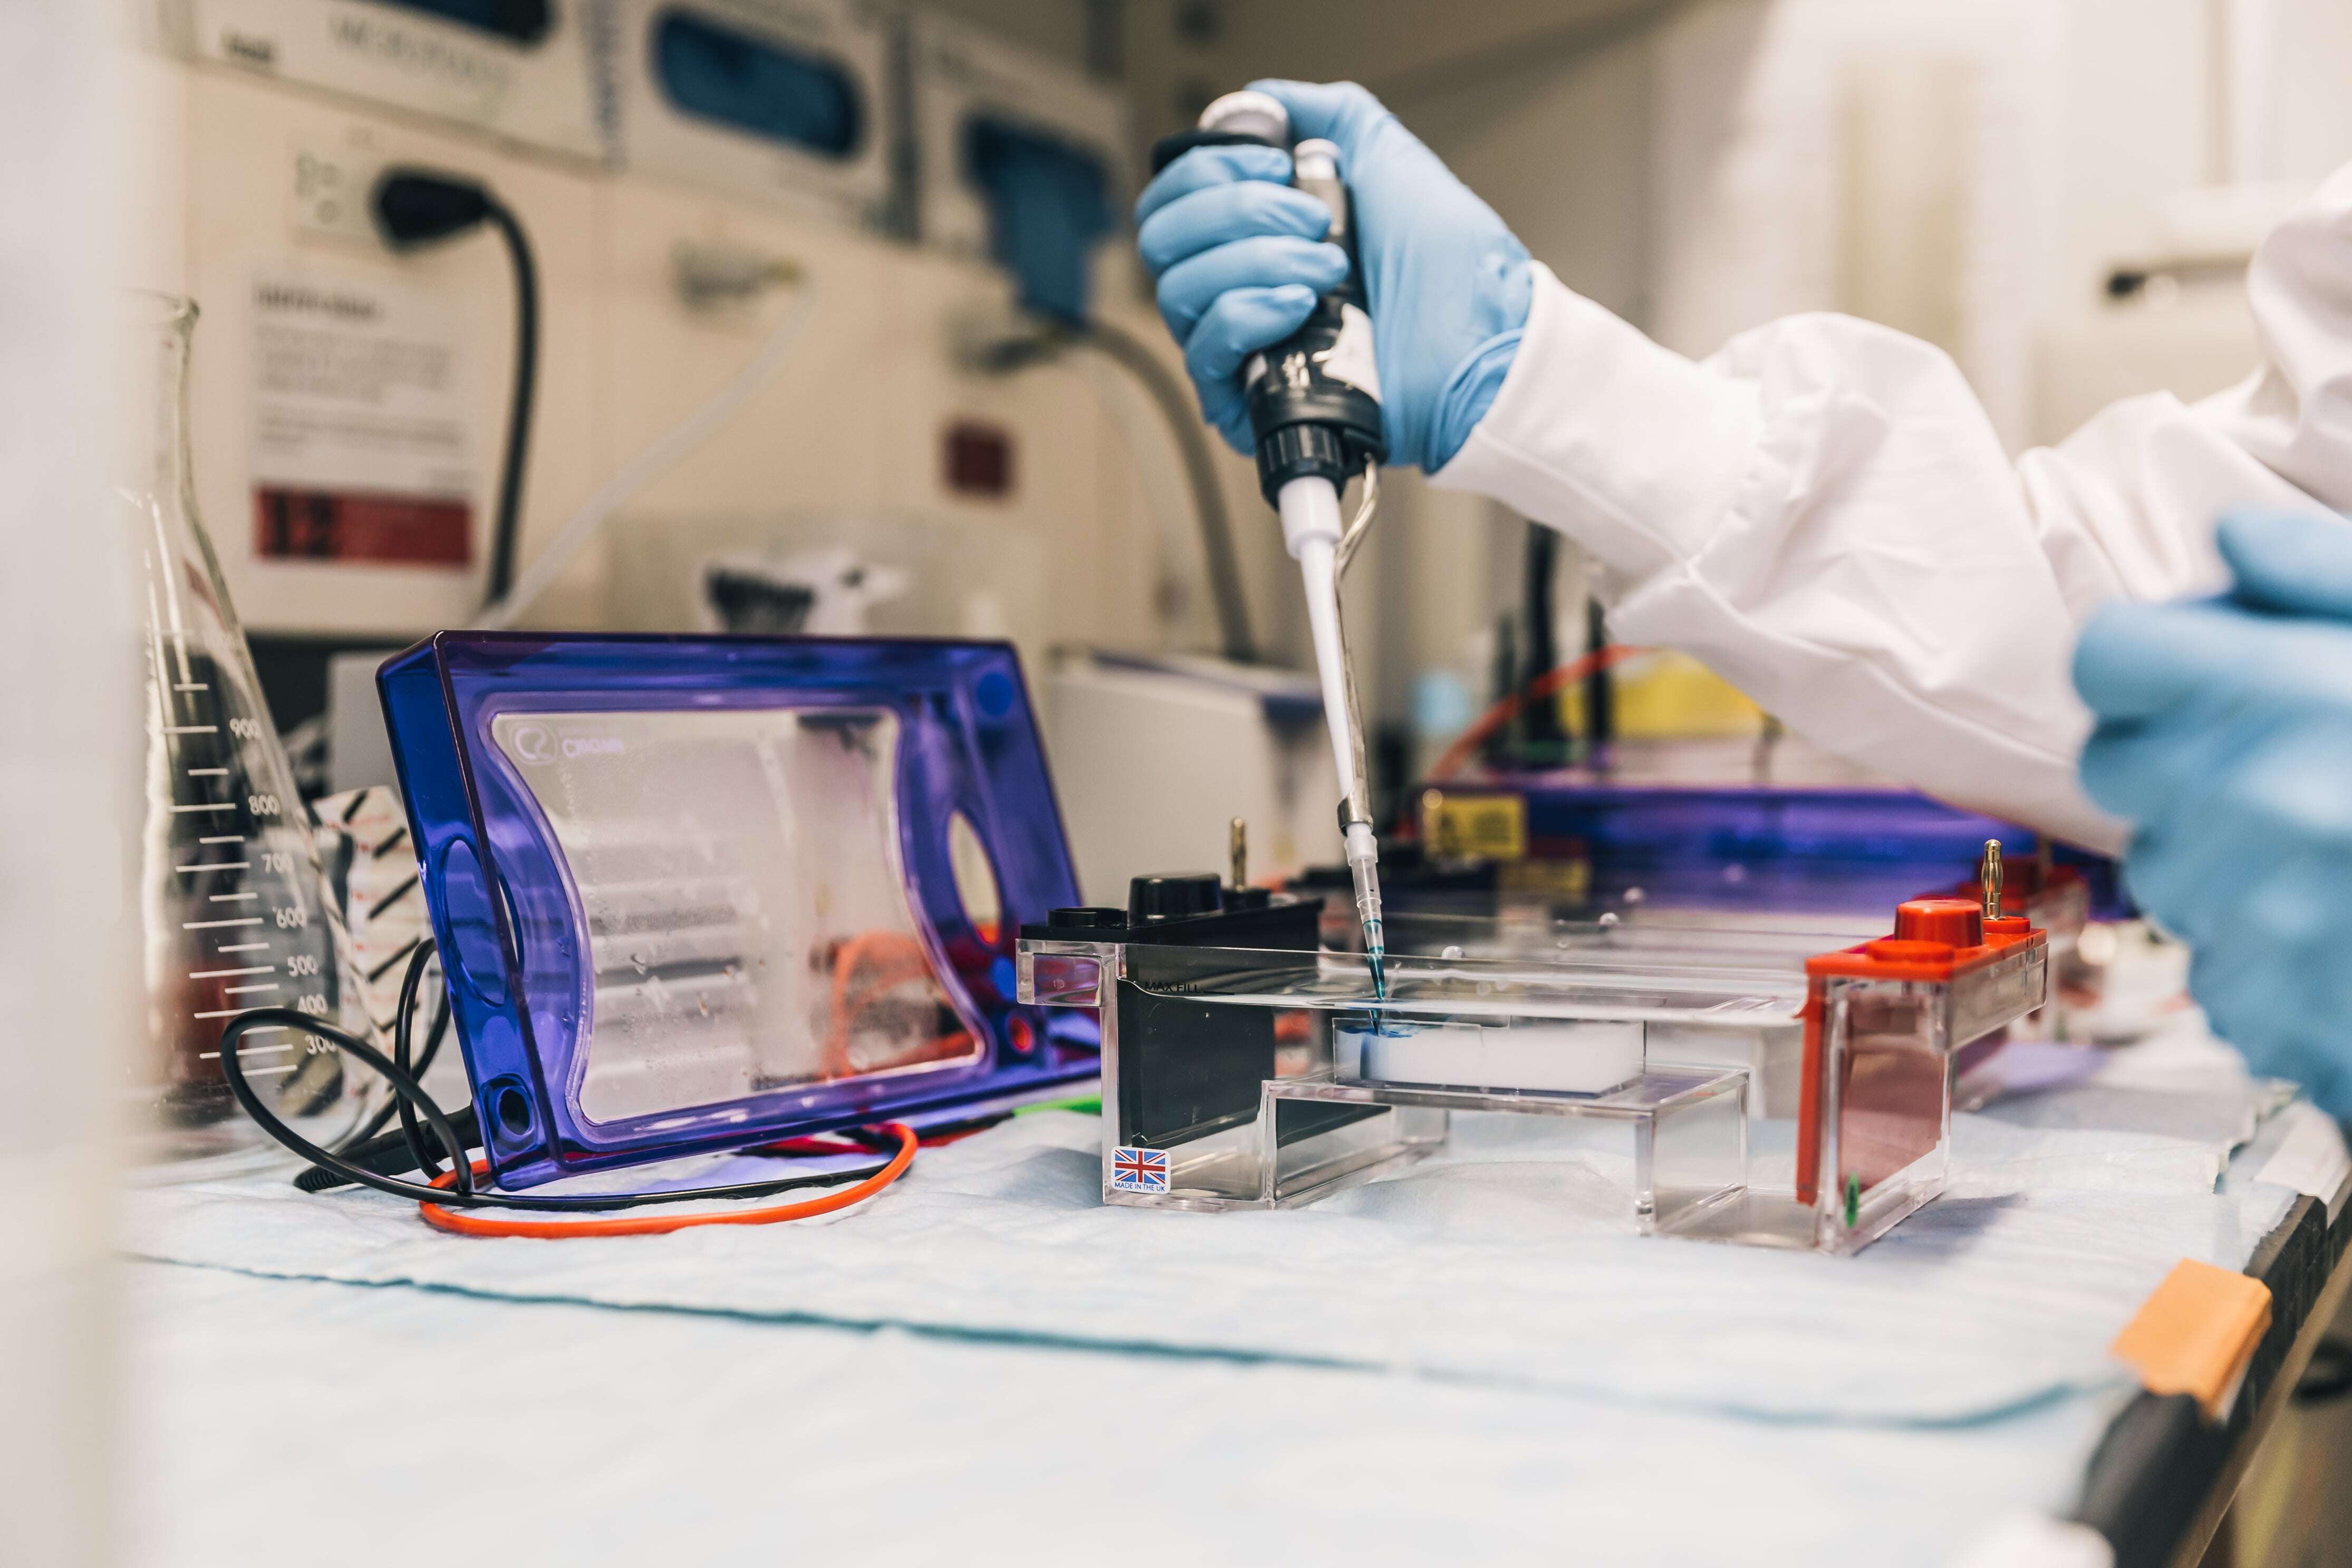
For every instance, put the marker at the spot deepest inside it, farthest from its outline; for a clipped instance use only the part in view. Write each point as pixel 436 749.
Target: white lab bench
pixel 1465 1364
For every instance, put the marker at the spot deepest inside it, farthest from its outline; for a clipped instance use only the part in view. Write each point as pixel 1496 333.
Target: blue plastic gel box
pixel 698 892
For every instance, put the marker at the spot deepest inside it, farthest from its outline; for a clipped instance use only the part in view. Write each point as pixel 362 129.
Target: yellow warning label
pixel 1480 827
pixel 1567 879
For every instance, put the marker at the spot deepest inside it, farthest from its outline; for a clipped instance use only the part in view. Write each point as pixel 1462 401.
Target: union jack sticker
pixel 1139 1170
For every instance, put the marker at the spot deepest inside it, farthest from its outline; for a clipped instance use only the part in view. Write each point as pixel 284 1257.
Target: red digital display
pixel 319 525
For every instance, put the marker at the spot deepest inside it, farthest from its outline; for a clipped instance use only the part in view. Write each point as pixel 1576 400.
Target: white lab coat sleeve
pixel 1824 514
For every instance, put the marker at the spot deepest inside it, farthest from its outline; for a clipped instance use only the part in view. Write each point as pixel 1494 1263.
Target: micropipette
pixel 1314 410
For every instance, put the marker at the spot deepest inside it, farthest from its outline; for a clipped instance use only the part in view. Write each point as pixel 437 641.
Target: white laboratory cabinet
pixel 525 72
pixel 788 103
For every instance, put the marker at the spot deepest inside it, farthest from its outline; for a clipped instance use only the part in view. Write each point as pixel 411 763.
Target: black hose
pixel 364 1138
pixel 505 539
pixel 415 207
pixel 1175 404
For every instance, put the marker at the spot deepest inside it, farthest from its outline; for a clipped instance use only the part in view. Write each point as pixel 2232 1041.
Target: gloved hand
pixel 1240 260
pixel 2225 736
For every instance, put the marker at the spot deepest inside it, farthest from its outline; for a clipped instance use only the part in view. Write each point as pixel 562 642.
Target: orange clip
pixel 2196 1334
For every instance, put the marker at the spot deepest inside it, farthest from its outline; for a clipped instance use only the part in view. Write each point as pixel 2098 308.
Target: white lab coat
pixel 1822 513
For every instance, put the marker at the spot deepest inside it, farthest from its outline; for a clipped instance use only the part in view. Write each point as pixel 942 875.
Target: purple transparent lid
pixel 746 888
pixel 1802 848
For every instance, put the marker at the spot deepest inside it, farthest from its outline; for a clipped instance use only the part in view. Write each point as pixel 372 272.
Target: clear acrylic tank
pixel 236 909
pixel 1270 1076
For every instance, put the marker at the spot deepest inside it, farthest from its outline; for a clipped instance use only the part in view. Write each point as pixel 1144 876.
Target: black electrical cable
pixel 402 1012
pixel 386 1154
pixel 417 207
pixel 504 543
pixel 461 1193
pixel 365 1146
pixel 433 1038
pixel 1175 406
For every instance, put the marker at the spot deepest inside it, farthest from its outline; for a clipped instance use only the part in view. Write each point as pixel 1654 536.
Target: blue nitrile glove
pixel 1241 259
pixel 2225 738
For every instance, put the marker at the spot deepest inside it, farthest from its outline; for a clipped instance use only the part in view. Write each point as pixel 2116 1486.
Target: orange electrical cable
pixel 1535 691
pixel 466 1222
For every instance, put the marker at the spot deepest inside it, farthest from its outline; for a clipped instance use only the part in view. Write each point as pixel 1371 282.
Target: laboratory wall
pixel 1044 502
pixel 1971 173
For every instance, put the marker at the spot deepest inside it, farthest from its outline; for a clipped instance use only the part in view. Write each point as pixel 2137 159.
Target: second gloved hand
pixel 1240 260
pixel 2225 736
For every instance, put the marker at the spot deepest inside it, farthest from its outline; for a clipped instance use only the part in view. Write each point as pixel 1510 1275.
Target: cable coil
pixel 446 1191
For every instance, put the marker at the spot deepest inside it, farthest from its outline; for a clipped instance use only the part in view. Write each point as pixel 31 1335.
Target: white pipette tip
pixel 1310 528
pixel 1363 854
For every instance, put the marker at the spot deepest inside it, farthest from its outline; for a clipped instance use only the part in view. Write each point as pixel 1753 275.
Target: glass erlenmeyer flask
pixel 237 912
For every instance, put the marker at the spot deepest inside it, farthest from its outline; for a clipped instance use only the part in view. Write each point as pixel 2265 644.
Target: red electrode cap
pixel 1955 922
pixel 1933 939
pixel 1906 950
